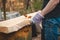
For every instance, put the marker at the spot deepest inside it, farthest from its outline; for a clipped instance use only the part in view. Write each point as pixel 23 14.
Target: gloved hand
pixel 37 18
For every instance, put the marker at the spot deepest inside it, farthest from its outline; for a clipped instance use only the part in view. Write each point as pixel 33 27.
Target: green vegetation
pixel 34 6
pixel 37 4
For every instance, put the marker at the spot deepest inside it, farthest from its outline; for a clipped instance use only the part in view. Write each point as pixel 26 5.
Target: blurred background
pixel 19 7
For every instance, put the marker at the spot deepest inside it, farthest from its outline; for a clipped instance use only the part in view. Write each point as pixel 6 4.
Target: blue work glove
pixel 37 18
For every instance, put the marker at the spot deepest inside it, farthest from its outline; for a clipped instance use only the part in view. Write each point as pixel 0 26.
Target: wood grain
pixel 22 34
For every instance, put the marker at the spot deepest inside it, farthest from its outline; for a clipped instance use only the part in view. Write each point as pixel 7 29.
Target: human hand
pixel 38 17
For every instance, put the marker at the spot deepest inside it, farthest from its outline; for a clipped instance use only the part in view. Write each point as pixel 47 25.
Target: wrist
pixel 40 13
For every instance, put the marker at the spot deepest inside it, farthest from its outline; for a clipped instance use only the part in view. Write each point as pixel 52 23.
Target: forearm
pixel 49 7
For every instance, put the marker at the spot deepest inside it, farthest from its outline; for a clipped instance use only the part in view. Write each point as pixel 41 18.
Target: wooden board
pixel 23 34
pixel 14 24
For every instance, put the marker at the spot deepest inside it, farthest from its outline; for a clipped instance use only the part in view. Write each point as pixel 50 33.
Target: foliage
pixel 17 6
pixel 37 4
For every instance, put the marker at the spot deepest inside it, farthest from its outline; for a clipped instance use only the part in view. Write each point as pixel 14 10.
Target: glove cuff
pixel 39 13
